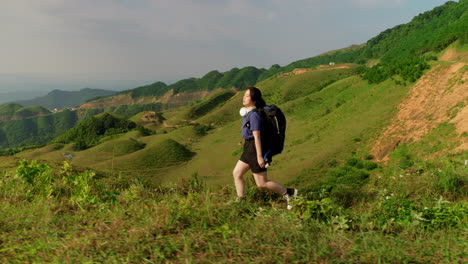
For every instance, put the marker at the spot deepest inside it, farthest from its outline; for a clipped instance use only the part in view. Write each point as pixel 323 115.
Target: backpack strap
pixel 247 123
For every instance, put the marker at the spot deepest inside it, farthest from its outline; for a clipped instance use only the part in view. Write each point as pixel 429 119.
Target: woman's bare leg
pixel 238 173
pixel 262 182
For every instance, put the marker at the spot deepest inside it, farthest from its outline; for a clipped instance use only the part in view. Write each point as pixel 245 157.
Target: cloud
pixel 169 39
pixel 92 34
pixel 377 3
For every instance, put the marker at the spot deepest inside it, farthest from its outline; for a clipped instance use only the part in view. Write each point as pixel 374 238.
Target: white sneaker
pixel 290 194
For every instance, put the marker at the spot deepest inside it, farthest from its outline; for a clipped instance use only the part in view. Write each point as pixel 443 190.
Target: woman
pixel 252 158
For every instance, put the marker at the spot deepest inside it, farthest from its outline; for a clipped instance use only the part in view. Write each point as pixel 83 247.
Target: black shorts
pixel 249 156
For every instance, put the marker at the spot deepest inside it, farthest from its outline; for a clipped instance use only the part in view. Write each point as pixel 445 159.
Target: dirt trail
pixel 439 96
pixel 454 55
pixel 319 68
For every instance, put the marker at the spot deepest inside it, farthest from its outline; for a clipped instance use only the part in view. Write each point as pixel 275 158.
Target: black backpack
pixel 273 131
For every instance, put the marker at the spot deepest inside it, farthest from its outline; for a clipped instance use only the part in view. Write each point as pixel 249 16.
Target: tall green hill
pixel 35 130
pixel 237 78
pixel 89 132
pixel 23 126
pixel 431 31
pixel 14 111
pixel 7 111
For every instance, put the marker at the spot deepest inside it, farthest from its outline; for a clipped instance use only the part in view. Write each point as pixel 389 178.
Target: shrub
pixel 396 213
pixel 324 210
pixel 202 130
pixel 370 165
pixel 403 156
pixel 37 176
pixel 345 184
pixel 445 214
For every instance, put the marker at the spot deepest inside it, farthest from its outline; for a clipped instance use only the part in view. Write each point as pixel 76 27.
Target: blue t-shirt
pixel 254 124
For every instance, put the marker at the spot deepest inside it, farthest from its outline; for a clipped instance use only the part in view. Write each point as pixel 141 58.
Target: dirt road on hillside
pixel 299 71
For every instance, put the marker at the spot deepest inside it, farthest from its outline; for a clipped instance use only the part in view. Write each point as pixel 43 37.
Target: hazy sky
pixel 72 44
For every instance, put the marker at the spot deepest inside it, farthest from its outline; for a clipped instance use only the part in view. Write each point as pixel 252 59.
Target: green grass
pixel 31 111
pixel 149 161
pixel 117 220
pixel 210 103
pixel 40 152
pixel 437 141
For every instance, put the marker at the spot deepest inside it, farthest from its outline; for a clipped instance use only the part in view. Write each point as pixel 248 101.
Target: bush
pixel 325 210
pixel 370 165
pixel 396 213
pixel 445 214
pixel 345 184
pixel 202 130
pixel 37 176
pixel 403 156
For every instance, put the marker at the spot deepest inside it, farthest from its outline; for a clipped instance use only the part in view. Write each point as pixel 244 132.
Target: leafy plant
pixel 445 214
pixel 321 210
pixel 38 177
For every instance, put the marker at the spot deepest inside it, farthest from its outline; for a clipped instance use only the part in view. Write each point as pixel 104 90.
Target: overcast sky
pixel 117 44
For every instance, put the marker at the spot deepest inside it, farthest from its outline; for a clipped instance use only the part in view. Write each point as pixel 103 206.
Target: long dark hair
pixel 256 96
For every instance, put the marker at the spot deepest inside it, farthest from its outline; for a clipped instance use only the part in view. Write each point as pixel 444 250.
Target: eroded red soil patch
pixel 439 96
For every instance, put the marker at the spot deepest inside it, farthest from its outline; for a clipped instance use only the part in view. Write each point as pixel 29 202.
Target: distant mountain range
pixel 64 99
pixel 12 96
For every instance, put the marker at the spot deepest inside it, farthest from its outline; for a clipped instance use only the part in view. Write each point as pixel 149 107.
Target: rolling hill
pixel 332 113
pixel 35 130
pixel 65 99
pixel 14 111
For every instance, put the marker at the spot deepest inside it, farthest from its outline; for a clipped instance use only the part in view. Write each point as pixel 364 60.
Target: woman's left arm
pixel 258 147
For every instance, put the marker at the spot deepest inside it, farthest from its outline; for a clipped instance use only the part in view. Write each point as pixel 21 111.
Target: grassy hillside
pixel 31 111
pixel 322 127
pixel 429 32
pixel 35 130
pixel 209 104
pixel 95 130
pixel 14 111
pixel 8 110
pixel 333 114
pixel 124 110
pixel 36 125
